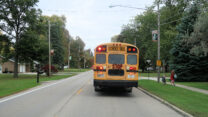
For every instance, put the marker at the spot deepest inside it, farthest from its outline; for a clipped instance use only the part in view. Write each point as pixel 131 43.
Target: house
pixel 8 67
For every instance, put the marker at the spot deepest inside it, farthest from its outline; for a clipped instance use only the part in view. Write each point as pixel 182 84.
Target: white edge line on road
pixel 30 91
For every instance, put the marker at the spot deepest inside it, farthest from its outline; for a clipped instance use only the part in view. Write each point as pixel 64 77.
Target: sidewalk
pixel 178 85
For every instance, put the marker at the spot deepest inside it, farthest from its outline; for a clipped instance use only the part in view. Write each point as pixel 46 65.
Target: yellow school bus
pixel 116 65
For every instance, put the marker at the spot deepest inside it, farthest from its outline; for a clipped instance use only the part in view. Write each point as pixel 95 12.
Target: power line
pixel 111 6
pixel 172 17
pixel 170 22
pixel 77 11
pixel 51 10
pixel 177 19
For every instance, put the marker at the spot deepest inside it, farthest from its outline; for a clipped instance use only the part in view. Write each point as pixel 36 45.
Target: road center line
pixel 79 91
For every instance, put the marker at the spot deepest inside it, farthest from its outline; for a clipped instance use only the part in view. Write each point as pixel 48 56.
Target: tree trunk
pixel 166 68
pixel 16 66
pixel 16 57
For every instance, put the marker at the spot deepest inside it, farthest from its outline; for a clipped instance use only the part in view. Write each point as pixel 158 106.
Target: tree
pixel 140 29
pixel 87 59
pixel 6 49
pixel 16 16
pixel 77 52
pixel 199 38
pixel 185 64
pixel 33 48
pixel 34 42
pixel 170 15
pixel 115 38
pixel 66 43
pixel 59 40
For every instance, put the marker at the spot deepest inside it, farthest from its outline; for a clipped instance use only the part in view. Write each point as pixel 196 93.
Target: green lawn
pixel 200 85
pixel 192 102
pixel 75 70
pixel 153 74
pixel 10 85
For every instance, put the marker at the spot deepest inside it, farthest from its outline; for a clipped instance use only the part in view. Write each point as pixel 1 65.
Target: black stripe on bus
pixel 132 71
pixel 99 70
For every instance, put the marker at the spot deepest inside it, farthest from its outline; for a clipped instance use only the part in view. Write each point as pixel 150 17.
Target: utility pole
pixel 158 48
pixel 69 55
pixel 79 58
pixel 49 47
pixel 136 31
pixel 84 60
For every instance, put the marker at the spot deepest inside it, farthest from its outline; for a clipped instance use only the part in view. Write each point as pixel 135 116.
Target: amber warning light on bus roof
pixel 101 48
pixel 131 49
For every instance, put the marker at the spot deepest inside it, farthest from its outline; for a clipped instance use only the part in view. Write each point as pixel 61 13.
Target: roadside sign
pixel 52 52
pixel 159 63
pixel 154 35
pixel 148 61
pixel 70 57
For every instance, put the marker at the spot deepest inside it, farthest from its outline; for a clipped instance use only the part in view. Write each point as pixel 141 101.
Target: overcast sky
pixel 93 20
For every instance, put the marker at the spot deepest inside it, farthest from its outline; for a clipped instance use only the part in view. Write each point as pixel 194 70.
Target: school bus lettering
pixel 117 66
pixel 113 48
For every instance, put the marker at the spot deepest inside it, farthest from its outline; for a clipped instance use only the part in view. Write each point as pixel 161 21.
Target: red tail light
pixel 132 68
pixel 101 48
pixel 100 68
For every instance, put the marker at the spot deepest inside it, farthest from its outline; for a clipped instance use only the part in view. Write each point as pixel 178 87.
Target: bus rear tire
pixel 97 88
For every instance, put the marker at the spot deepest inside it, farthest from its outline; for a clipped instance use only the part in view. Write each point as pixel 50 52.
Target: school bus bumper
pixel 116 83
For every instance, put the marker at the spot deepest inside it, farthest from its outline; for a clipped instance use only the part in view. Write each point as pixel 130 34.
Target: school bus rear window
pixel 116 59
pixel 100 58
pixel 132 59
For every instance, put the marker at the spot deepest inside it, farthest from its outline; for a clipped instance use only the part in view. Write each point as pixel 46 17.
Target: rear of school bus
pixel 116 65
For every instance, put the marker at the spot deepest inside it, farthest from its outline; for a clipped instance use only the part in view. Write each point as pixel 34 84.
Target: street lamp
pixel 111 6
pixel 69 57
pixel 158 21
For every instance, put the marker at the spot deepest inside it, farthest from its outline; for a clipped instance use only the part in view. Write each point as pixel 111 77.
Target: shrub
pixel 46 69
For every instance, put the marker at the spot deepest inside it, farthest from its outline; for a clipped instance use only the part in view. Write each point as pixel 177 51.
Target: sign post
pixel 38 71
pixel 148 61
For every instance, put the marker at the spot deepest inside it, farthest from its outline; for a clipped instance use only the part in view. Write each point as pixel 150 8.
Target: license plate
pixel 116 48
pixel 130 76
pixel 100 75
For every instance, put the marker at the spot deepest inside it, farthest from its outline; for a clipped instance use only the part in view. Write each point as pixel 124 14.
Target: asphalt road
pixel 75 97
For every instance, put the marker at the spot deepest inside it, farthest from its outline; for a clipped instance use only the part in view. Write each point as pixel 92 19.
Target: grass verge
pixel 192 102
pixel 10 85
pixel 200 85
pixel 153 74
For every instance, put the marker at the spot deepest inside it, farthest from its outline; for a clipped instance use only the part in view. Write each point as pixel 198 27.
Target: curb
pixel 183 113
